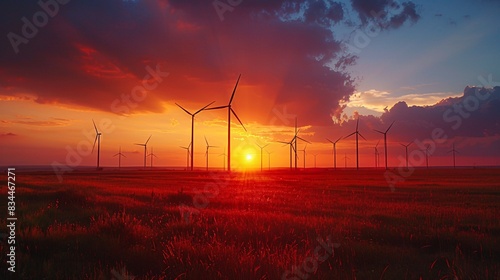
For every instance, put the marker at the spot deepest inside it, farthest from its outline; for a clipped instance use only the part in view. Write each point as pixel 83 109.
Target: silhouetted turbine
pixel 152 155
pixel 192 127
pixel 334 151
pixel 187 156
pixel 98 139
pixel 357 150
pixel 453 151
pixel 206 152
pixel 406 149
pixel 120 155
pixel 261 148
pixel 145 149
pixel 229 111
pixel 385 142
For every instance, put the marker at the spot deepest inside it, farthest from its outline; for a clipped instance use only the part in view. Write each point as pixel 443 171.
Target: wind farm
pixel 293 140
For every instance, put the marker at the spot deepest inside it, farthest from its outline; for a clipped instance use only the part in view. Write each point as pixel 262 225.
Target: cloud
pixel 379 100
pixel 8 134
pixel 463 116
pixel 94 53
pixel 24 120
pixel 386 13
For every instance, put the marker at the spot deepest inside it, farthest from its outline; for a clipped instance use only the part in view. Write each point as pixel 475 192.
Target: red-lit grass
pixel 437 224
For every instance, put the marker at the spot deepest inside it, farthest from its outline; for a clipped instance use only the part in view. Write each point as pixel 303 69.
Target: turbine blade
pixel 329 140
pixel 95 127
pixel 361 136
pixel 216 108
pixel 148 140
pixel 234 90
pixel 350 135
pixel 265 145
pixel 94 143
pixel 234 113
pixel 206 141
pixel 410 143
pixel 338 140
pixel 123 155
pixel 303 140
pixel 204 108
pixel 380 131
pixel 184 109
pixel 389 127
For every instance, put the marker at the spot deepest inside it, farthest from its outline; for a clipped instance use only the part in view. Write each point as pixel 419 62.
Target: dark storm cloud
pixel 91 53
pixel 386 13
pixel 475 114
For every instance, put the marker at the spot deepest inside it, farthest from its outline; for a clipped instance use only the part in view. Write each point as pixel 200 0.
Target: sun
pixel 249 157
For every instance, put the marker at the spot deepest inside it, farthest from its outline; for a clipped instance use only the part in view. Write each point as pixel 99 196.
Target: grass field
pixel 437 224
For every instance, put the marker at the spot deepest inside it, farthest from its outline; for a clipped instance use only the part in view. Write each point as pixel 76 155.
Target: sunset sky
pixel 125 63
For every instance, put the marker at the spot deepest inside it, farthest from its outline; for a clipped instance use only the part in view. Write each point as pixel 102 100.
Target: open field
pixel 437 224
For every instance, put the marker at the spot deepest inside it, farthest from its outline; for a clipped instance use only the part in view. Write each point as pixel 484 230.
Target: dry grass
pixel 439 224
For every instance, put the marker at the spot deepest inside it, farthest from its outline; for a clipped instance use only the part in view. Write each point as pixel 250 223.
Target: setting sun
pixel 249 157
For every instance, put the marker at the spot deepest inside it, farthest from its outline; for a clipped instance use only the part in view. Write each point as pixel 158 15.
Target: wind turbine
pixel 261 148
pixel 345 159
pixel 357 150
pixel 294 140
pixel 427 155
pixel 152 155
pixel 229 111
pixel 334 151
pixel 304 153
pixel 291 148
pixel 120 155
pixel 145 149
pixel 98 139
pixel 223 159
pixel 406 148
pixel 269 159
pixel 187 156
pixel 315 160
pixel 385 142
pixel 454 152
pixel 206 153
pixel 192 128
pixel 376 155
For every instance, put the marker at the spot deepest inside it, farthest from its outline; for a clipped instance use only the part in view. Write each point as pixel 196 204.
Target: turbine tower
pixel 376 155
pixel 187 155
pixel 345 159
pixel 406 149
pixel 291 148
pixel 261 148
pixel 145 145
pixel 229 111
pixel 192 128
pixel 98 139
pixel 385 142
pixel 357 150
pixel 315 155
pixel 454 152
pixel 206 152
pixel 120 155
pixel 334 151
